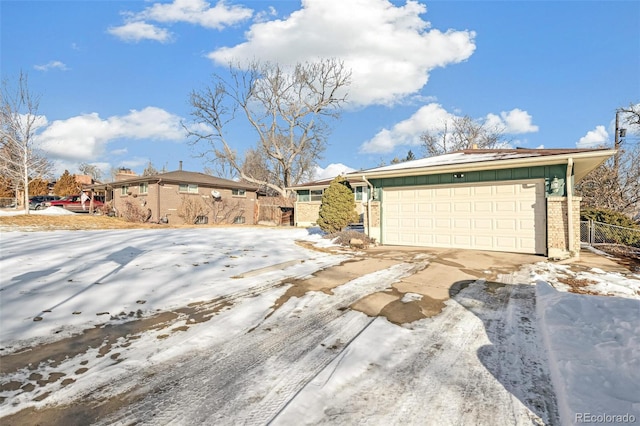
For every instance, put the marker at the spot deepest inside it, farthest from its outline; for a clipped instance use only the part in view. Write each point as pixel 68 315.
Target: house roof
pixel 467 160
pixel 323 183
pixel 182 176
pixel 584 161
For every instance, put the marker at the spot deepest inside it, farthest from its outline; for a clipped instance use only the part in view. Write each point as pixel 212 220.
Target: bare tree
pixel 150 170
pixel 286 108
pixel 90 170
pixel 632 115
pixel 20 160
pixel 615 185
pixel 461 133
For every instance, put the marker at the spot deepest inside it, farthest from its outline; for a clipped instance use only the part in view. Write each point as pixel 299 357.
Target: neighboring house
pixel 309 199
pixel 161 195
pixel 512 200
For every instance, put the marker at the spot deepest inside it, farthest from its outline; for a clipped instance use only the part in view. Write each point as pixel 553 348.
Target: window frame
pixel 124 190
pixel 202 220
pixel 238 192
pixel 359 193
pixel 188 188
pixel 143 188
pixel 316 195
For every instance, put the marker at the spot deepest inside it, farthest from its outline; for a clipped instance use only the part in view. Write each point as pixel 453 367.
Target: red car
pixel 74 203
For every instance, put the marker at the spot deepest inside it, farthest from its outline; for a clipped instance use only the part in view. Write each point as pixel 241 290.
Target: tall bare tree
pixel 90 170
pixel 20 160
pixel 286 107
pixel 461 133
pixel 615 185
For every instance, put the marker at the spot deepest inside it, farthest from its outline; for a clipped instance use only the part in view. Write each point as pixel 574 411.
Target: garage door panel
pixel 442 240
pixel 503 216
pixel 462 191
pixel 425 208
pixel 505 206
pixel 483 224
pixel 443 207
pixel 462 240
pixel 462 224
pixel 506 224
pixel 485 190
pixel 443 223
pixel 462 206
pixel 483 206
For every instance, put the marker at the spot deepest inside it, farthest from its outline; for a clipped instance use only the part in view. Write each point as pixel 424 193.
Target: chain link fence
pixel 595 233
pixel 6 202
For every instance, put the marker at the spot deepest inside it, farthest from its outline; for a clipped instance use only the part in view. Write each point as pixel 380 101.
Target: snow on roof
pixel 474 156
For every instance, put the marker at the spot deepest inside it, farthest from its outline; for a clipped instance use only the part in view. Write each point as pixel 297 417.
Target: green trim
pixel 548 173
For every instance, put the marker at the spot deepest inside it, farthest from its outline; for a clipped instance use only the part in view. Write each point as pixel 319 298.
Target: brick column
pixel 558 244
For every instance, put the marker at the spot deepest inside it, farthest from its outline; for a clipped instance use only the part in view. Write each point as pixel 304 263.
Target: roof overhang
pixel 583 163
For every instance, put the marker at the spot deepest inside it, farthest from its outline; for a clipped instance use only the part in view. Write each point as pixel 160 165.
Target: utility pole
pixel 616 144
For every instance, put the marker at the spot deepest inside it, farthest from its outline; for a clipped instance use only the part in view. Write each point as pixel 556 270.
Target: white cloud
pixel 121 151
pixel 390 49
pixel 138 30
pixel 51 65
pixel 84 137
pixel 331 171
pixel 196 12
pixel 512 122
pixel 431 117
pixel 595 137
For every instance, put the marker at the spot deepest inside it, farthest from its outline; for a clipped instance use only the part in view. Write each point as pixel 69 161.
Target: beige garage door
pixel 500 216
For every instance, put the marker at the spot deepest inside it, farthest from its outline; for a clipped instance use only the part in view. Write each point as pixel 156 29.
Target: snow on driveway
pixel 239 348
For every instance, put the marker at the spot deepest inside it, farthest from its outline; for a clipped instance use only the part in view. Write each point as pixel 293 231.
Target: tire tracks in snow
pixel 234 380
pixel 480 361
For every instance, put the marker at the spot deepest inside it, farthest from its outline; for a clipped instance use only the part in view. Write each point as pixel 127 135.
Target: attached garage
pixel 513 200
pixel 498 216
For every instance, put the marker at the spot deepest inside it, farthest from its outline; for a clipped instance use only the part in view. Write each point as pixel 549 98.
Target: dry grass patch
pixel 73 222
pixel 578 285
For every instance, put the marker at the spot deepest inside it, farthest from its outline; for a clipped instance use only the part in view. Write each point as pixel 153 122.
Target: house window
pixel 239 220
pixel 143 188
pixel 316 194
pixel 124 190
pixel 303 195
pixel 238 192
pixel 202 220
pixel 360 193
pixel 191 188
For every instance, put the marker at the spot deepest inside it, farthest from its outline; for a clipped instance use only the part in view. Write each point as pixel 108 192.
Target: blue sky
pixel 114 77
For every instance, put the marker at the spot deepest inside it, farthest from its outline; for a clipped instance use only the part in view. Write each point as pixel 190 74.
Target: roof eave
pixel 584 162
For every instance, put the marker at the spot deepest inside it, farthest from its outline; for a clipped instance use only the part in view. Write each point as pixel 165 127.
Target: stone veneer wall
pixel 558 242
pixel 307 213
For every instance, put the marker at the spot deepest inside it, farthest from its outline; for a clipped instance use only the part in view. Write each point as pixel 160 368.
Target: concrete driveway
pixel 447 339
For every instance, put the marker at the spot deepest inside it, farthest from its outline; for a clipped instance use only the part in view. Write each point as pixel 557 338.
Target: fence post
pixel 591 232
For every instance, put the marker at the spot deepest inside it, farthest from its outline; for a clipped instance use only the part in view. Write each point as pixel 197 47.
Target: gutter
pixel 368 205
pixel 488 165
pixel 569 186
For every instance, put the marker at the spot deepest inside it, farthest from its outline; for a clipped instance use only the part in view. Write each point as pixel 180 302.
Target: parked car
pixel 74 203
pixel 38 202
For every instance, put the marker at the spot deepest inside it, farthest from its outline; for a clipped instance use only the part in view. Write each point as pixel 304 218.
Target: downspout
pixel 368 205
pixel 569 185
pixel 158 199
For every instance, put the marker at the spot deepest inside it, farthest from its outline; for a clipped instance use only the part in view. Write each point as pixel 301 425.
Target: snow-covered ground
pixel 245 359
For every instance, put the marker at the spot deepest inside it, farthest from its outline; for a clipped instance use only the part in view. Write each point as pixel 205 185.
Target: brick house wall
pixel 558 244
pixel 164 200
